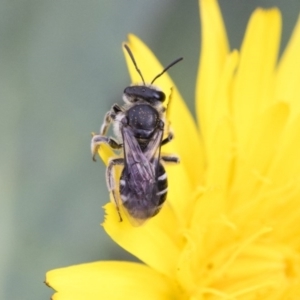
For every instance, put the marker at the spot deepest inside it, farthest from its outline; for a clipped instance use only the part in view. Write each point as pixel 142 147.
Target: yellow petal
pixel 252 165
pixel 179 186
pixel 255 74
pixel 190 152
pixel 288 73
pixel 213 55
pixel 157 242
pixel 105 152
pixel 286 165
pixel 220 144
pixel 109 280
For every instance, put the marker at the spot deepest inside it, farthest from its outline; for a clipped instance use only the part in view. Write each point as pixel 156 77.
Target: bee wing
pixel 140 188
pixel 139 167
pixel 152 151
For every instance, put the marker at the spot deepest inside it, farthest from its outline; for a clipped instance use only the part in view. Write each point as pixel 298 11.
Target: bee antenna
pixel 134 62
pixel 167 68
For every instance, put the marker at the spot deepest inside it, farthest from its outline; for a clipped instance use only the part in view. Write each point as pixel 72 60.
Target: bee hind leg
pixel 111 182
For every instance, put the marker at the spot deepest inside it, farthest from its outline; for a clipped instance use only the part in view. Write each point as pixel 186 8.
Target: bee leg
pixel 111 182
pixel 168 130
pixel 169 103
pixel 168 139
pixel 116 108
pixel 97 140
pixel 109 117
pixel 172 158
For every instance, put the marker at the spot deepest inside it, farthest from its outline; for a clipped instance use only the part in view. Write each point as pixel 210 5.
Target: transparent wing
pixel 140 166
pixel 152 151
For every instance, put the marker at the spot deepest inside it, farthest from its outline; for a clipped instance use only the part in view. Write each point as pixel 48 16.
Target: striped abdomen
pixel 145 202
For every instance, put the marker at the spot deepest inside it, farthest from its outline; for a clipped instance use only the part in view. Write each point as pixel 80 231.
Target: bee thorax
pixel 143 120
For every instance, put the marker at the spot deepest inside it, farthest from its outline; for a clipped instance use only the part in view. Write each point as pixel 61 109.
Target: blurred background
pixel 61 69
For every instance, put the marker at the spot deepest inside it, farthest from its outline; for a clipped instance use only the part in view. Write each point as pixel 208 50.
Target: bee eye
pixel 160 96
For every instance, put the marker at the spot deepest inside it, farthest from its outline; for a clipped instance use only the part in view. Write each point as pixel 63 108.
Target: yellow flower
pixel 230 228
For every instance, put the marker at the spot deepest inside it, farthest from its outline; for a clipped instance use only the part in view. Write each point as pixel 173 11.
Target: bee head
pixel 143 93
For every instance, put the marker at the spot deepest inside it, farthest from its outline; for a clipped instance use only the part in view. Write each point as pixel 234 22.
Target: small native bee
pixel 140 128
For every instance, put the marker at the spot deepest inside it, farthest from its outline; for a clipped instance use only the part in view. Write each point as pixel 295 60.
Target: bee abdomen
pixel 162 185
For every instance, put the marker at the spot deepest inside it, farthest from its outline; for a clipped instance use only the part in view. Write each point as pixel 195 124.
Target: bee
pixel 139 126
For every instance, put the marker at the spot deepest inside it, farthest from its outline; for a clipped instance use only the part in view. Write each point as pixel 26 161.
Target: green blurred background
pixel 61 69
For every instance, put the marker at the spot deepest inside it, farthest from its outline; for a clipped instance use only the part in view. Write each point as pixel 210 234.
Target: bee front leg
pixel 97 140
pixel 111 181
pixel 109 117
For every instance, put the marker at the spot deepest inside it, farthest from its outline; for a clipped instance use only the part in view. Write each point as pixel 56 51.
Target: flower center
pixel 238 266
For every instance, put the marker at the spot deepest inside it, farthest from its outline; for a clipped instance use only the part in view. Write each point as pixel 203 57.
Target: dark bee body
pixel 144 204
pixel 143 182
pixel 142 118
pixel 140 126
